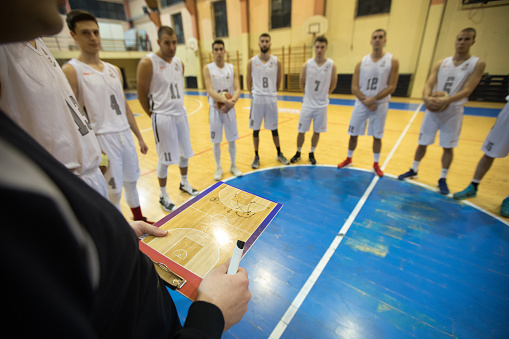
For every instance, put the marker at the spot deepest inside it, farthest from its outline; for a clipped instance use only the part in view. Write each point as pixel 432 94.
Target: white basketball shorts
pixel 316 114
pixel 173 138
pixel 263 108
pixel 448 122
pixel 496 144
pixel 361 115
pixel 218 120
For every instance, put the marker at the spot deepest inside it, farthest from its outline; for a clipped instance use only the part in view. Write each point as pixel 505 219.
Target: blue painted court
pixel 412 263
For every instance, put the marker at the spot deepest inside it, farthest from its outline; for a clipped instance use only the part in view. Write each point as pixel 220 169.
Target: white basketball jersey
pixel 374 76
pixel 222 79
pixel 101 97
pixel 37 96
pixel 166 93
pixel 316 91
pixel 264 76
pixel 451 78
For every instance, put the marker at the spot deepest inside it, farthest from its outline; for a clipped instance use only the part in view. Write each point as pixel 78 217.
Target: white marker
pixel 237 254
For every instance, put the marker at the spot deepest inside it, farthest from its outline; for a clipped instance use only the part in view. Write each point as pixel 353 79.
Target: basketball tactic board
pixel 203 232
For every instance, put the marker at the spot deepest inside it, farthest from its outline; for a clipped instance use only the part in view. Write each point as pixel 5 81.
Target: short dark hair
pixel 470 30
pixel 217 42
pixel 77 15
pixel 266 35
pixel 165 30
pixel 321 38
pixel 380 30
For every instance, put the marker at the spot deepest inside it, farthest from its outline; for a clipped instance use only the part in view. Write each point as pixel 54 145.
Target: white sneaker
pixel 235 171
pixel 219 174
pixel 166 202
pixel 188 189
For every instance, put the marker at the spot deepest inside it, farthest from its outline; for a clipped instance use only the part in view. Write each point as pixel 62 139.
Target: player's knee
pixel 256 133
pixel 275 133
pixel 183 162
pixel 162 170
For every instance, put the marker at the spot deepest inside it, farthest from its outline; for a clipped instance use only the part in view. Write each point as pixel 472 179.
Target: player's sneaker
pixel 235 171
pixel 312 159
pixel 377 170
pixel 442 186
pixel 281 158
pixel 188 189
pixel 219 174
pixel 504 209
pixel 295 158
pixel 346 163
pixel 411 174
pixel 468 192
pixel 256 162
pixel 166 202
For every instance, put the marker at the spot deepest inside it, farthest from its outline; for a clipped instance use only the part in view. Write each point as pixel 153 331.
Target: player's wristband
pixel 105 161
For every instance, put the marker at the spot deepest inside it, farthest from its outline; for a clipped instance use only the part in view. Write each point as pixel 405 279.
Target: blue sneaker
pixel 468 192
pixel 442 186
pixel 504 209
pixel 408 175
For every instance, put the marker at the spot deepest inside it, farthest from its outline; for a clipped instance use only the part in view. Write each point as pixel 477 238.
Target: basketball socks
pixel 163 191
pixel 415 166
pixel 349 154
pixel 443 173
pixel 475 183
pixel 299 149
pixel 278 150
pixel 232 148
pixel 183 179
pixel 376 157
pixel 216 149
pixel 312 150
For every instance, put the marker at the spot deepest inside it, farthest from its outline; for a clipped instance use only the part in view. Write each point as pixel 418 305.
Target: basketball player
pixel 263 78
pixel 98 88
pixel 221 77
pixel 374 80
pixel 91 278
pixel 457 75
pixel 160 82
pixel 31 80
pixel 317 79
pixel 496 145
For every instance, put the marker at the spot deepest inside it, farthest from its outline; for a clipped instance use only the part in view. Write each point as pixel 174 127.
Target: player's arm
pixel 236 84
pixel 143 79
pixel 302 78
pixel 249 77
pixel 428 87
pixel 356 90
pixel 392 82
pixel 131 120
pixel 333 78
pixel 279 71
pixel 472 81
pixel 72 77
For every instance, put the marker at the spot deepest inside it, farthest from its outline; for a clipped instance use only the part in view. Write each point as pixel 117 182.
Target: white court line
pixel 299 299
pixel 189 114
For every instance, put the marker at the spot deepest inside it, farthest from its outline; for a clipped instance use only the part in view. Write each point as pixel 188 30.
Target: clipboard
pixel 202 234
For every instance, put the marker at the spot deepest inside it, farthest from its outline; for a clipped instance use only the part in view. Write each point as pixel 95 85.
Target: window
pixel 166 3
pixel 281 13
pixel 177 26
pixel 101 9
pixel 220 19
pixel 370 7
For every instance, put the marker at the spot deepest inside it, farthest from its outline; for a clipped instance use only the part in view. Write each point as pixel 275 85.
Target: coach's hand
pixel 228 292
pixel 141 227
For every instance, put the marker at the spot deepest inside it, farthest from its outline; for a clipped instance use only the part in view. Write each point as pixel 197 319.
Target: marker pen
pixel 237 254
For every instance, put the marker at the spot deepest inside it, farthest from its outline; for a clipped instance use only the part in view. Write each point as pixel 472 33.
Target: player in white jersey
pixel 98 88
pixel 317 80
pixel 32 81
pixel 374 80
pixel 160 83
pixel 220 78
pixel 446 91
pixel 263 78
pixel 496 145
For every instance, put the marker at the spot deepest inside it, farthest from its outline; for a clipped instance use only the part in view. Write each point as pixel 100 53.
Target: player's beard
pixel 264 49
